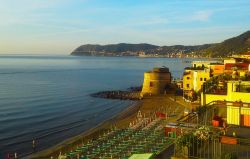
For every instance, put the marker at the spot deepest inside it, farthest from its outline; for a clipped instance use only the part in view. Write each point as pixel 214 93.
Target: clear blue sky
pixel 59 26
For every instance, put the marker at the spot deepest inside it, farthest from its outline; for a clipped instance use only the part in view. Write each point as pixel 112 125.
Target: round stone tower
pixel 155 81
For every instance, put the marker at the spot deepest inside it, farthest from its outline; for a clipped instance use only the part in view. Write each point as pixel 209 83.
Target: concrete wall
pixel 232 95
pixel 207 98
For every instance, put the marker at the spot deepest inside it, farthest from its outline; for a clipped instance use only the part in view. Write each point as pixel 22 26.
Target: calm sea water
pixel 47 97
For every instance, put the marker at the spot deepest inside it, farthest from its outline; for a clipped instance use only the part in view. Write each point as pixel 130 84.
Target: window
pixel 205 79
pixel 187 85
pixel 200 79
pixel 188 78
pixel 151 84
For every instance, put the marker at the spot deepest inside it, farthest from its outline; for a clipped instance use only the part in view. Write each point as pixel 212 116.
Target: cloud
pixel 202 15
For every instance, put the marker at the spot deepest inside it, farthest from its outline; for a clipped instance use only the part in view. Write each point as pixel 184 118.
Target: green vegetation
pixel 236 45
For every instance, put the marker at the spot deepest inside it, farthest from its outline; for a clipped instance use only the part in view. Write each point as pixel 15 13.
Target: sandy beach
pixel 148 106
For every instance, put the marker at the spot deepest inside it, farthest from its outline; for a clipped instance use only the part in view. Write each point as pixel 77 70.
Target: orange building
pixel 217 69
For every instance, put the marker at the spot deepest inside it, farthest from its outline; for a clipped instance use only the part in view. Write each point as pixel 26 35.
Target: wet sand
pixel 148 106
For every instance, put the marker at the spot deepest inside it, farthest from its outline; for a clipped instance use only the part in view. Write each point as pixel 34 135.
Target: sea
pixel 47 97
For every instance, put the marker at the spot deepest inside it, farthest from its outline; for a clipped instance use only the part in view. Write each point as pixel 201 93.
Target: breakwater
pixel 122 95
pixel 132 93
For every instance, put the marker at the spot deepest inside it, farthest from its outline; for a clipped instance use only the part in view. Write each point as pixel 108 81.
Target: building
pixel 241 68
pixel 230 60
pixel 243 55
pixel 156 81
pixel 201 64
pixel 246 55
pixel 179 84
pixel 239 114
pixel 193 79
pixel 216 68
pixel 235 91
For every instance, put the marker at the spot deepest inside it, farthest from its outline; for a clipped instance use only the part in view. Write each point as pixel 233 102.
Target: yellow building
pixel 156 81
pixel 193 79
pixel 236 91
pixel 201 64
pixel 236 99
pixel 229 60
pixel 239 115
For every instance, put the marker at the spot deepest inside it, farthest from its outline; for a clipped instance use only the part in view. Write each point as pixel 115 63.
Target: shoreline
pixel 65 145
pixel 148 106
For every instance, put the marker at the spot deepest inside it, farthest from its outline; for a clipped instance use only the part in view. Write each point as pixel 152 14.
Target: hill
pixel 235 45
pixel 121 49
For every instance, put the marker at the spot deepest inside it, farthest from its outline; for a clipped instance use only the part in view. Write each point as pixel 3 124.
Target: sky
pixel 60 26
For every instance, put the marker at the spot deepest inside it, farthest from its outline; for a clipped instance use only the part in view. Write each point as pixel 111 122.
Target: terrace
pixel 218 84
pixel 200 138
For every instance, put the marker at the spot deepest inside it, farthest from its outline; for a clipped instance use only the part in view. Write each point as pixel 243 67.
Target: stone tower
pixel 155 81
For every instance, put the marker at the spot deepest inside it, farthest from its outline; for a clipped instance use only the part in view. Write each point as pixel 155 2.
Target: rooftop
pixel 196 68
pixel 242 66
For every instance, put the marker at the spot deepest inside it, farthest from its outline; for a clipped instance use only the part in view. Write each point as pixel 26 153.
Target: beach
pixel 147 106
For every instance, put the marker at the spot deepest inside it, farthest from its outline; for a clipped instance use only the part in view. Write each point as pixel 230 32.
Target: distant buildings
pixel 201 71
pixel 226 83
pixel 245 55
pixel 156 81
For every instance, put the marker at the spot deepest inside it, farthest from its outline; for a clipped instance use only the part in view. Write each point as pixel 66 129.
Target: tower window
pixel 151 84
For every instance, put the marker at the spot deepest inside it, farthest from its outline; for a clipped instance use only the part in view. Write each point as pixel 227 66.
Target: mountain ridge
pixel 238 44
